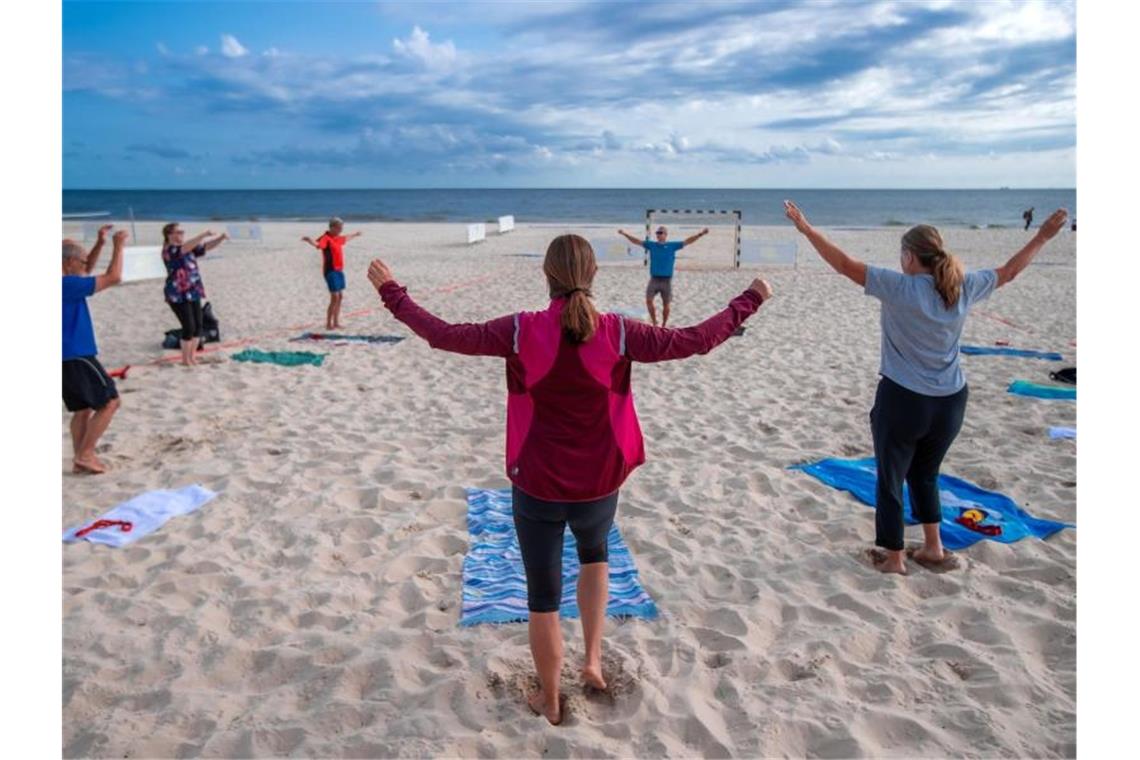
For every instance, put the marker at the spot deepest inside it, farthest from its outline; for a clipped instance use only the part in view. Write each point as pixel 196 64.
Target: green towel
pixel 284 358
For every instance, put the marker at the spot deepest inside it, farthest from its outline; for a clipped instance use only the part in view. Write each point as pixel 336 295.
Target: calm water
pixel 836 208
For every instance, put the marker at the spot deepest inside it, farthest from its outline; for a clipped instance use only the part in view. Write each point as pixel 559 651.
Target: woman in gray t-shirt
pixel 921 399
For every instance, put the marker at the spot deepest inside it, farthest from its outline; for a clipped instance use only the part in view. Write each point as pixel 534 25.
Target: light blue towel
pixel 146 513
pixel 1003 351
pixel 494 582
pixel 1036 390
pixel 1062 432
pixel 969 512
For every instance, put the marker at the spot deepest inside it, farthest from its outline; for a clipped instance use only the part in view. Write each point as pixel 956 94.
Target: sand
pixel 312 608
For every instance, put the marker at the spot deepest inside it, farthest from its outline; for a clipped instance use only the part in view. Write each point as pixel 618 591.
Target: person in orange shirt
pixel 331 246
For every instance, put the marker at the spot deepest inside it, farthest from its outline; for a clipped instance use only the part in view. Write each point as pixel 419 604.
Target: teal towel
pixel 1026 388
pixel 284 358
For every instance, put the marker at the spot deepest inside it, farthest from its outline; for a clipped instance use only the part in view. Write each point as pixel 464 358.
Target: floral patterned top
pixel 183 281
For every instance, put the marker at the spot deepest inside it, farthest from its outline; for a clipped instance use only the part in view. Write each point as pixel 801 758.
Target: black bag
pixel 210 332
pixel 1066 375
pixel 172 338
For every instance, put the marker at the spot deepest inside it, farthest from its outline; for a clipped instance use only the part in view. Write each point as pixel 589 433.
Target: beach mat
pixel 969 512
pixel 128 522
pixel 1036 390
pixel 1003 351
pixel 494 582
pixel 284 358
pixel 1062 432
pixel 338 339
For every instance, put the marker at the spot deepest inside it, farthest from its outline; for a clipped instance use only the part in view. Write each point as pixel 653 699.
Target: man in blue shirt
pixel 88 391
pixel 662 255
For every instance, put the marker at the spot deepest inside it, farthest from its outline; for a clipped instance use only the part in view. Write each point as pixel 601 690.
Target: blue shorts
pixel 335 281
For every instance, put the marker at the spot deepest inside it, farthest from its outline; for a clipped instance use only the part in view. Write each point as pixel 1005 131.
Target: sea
pixel 833 208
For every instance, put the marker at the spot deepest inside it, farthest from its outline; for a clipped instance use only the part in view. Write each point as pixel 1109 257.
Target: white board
pixel 476 232
pixel 768 252
pixel 506 224
pixel 142 262
pixel 615 250
pixel 244 231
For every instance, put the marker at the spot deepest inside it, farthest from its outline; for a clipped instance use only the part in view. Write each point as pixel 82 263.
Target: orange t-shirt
pixel 332 247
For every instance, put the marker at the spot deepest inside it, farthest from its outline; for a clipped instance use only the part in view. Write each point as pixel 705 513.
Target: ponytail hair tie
pixel 572 291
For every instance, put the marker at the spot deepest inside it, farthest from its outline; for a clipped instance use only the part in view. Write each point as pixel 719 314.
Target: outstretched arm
pixel 309 240
pixel 212 244
pixel 194 242
pixel 1020 260
pixel 698 236
pixel 93 255
pixel 114 273
pixel 645 343
pixel 631 238
pixel 353 235
pixel 494 338
pixel 852 269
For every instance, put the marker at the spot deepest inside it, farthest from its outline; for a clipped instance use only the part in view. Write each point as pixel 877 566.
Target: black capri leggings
pixel 540 525
pixel 912 433
pixel 189 315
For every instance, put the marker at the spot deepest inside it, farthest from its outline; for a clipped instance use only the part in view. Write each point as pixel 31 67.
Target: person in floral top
pixel 184 290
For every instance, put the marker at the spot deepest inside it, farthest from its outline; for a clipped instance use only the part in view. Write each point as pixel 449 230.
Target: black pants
pixel 540 525
pixel 189 315
pixel 912 433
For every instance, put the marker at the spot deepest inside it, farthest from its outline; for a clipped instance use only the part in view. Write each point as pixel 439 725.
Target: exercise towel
pixel 1024 353
pixel 338 339
pixel 494 582
pixel 1062 432
pixel 969 512
pixel 144 514
pixel 1035 390
pixel 284 358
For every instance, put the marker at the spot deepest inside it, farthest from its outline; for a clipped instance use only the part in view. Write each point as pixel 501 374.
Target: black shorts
pixel 86 385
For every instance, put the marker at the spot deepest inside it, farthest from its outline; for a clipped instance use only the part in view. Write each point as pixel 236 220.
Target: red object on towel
pixel 1001 342
pixel 124 526
pixel 121 372
pixel 985 530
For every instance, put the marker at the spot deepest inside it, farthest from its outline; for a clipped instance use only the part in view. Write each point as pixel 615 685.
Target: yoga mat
pixel 1023 353
pixel 969 512
pixel 339 339
pixel 1035 390
pixel 494 582
pixel 284 358
pixel 139 516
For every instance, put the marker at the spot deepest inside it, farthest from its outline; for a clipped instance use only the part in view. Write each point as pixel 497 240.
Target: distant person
pixel 1074 225
pixel 572 431
pixel 662 256
pixel 331 246
pixel 1027 215
pixel 921 399
pixel 89 393
pixel 184 290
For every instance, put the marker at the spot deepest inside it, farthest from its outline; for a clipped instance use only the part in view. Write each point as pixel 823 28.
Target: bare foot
pixel 592 676
pixel 942 562
pixel 89 465
pixel 885 562
pixel 537 703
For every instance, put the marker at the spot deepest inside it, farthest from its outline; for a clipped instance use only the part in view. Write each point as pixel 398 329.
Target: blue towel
pixel 1000 351
pixel 347 339
pixel 1062 432
pixel 1026 388
pixel 494 582
pixel 963 504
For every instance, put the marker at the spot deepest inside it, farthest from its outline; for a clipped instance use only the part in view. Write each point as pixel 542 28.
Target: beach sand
pixel 311 609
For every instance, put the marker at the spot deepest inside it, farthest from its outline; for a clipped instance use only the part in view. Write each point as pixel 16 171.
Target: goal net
pixel 717 250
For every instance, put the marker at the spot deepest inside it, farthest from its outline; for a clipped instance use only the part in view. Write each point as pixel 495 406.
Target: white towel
pixel 146 512
pixel 1062 432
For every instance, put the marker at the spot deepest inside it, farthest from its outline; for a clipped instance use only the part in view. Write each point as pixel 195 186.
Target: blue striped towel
pixel 494 582
pixel 1003 351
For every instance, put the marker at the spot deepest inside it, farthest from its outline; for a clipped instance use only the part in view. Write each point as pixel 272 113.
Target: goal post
pixel 690 216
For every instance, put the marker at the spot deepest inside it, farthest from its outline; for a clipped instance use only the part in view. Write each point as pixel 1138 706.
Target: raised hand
pixel 104 230
pixel 119 237
pixel 792 211
pixel 1053 224
pixel 761 287
pixel 705 231
pixel 378 273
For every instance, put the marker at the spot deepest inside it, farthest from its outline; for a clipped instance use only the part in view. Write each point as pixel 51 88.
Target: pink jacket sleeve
pixel 494 338
pixel 645 343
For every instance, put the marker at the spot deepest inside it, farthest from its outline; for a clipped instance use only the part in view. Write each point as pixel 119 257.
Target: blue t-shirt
pixel 78 334
pixel 921 336
pixel 662 257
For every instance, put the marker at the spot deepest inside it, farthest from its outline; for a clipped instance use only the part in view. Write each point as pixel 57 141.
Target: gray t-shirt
pixel 920 335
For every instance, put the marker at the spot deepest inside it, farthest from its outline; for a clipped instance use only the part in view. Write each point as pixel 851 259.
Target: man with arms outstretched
pixel 662 255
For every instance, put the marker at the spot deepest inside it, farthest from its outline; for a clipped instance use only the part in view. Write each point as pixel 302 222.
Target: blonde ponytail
pixel 925 243
pixel 570 267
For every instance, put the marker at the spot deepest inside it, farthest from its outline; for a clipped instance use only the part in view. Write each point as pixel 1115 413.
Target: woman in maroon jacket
pixel 572 432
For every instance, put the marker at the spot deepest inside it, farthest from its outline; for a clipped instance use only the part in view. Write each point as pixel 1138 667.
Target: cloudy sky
pixel 557 94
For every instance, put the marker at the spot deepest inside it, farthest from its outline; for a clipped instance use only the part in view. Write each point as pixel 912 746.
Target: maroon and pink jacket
pixel 572 431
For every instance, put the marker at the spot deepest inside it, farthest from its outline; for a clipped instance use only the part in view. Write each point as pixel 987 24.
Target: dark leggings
pixel 540 525
pixel 912 433
pixel 189 315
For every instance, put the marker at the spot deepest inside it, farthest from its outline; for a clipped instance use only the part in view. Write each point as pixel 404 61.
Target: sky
pixel 187 95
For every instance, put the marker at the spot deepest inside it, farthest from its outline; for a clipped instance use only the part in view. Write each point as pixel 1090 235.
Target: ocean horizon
pixel 977 208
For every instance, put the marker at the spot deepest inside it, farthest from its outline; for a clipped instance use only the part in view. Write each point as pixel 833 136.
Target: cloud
pixel 162 151
pixel 418 47
pixel 201 50
pixel 231 48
